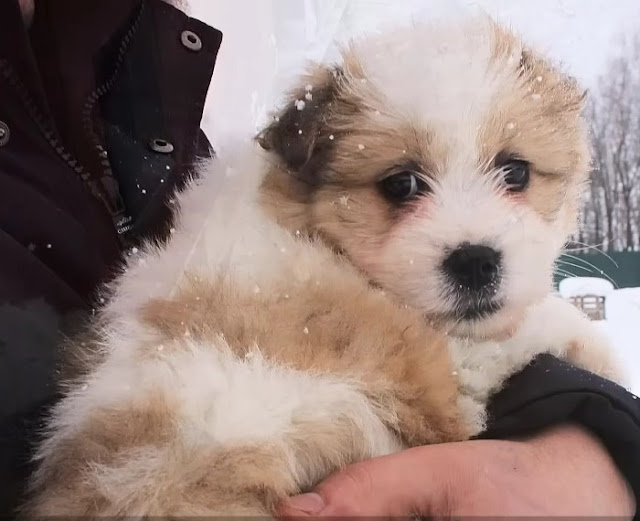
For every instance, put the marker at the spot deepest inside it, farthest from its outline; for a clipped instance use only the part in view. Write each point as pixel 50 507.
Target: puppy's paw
pixel 474 414
pixel 592 351
pixel 557 327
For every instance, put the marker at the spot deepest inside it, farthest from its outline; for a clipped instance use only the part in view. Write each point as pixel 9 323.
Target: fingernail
pixel 311 503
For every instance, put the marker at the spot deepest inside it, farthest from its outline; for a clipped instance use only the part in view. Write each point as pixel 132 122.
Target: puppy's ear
pixel 301 130
pixel 572 97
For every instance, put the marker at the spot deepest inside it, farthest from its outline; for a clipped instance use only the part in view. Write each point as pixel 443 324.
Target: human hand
pixel 562 472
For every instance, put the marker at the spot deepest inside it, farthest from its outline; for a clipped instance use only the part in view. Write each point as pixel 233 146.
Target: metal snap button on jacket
pixel 162 146
pixel 4 133
pixel 191 40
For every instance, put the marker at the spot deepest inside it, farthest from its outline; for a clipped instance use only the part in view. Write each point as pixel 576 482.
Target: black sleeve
pixel 32 300
pixel 550 391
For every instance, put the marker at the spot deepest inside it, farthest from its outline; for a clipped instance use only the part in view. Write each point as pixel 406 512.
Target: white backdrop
pixel 266 42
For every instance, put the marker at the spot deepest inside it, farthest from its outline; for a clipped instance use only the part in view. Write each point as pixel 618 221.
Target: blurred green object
pixel 620 267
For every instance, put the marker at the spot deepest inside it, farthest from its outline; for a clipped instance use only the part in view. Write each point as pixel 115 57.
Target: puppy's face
pixel 445 162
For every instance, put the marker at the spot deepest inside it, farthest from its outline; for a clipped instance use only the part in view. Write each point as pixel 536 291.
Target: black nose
pixel 473 266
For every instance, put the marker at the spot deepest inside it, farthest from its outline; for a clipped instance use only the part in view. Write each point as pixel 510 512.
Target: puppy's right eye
pixel 403 186
pixel 517 172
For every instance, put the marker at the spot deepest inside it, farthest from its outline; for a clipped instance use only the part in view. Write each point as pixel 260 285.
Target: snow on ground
pixel 622 326
pixel 583 286
pixel 622 323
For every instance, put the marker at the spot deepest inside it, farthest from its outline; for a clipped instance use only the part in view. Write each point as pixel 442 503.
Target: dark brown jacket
pixel 100 110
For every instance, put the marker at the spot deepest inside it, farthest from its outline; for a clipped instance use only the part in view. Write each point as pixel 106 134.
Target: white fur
pixel 450 86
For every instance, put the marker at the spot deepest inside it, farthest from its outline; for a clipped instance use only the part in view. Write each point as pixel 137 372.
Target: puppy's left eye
pixel 403 186
pixel 517 174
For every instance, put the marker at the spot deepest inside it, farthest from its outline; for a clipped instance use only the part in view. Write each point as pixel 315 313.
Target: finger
pixel 409 482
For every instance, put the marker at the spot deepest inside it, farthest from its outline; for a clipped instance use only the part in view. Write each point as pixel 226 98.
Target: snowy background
pixel 623 328
pixel 268 42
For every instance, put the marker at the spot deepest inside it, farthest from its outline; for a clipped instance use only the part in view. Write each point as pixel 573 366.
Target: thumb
pixel 409 482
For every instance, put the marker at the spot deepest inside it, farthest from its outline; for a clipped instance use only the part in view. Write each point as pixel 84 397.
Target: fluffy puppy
pixel 235 366
pixel 447 163
pixel 406 212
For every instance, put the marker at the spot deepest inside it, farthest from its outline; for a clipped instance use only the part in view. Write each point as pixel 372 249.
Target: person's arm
pixel 550 391
pixel 561 441
pixel 560 472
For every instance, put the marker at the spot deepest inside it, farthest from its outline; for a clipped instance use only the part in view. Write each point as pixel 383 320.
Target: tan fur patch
pixel 337 326
pixel 108 440
pixel 130 460
pixel 345 205
pixel 540 122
